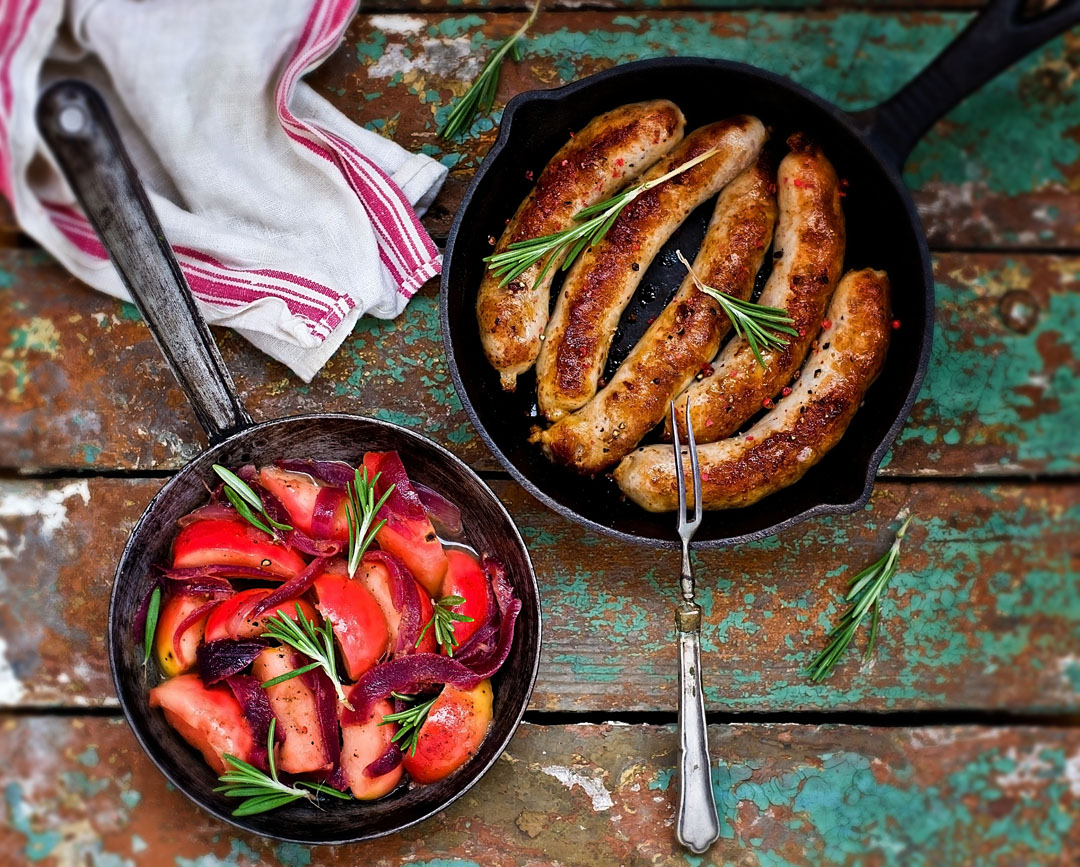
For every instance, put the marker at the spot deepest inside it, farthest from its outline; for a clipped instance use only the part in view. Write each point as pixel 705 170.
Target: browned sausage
pixel 682 339
pixel 611 150
pixel 810 241
pixel 780 448
pixel 601 282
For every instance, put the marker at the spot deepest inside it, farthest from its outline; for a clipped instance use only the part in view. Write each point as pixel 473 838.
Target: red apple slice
pixel 233 617
pixel 207 717
pixel 233 543
pixel 455 727
pixel 362 744
pixel 176 653
pixel 296 712
pixel 359 625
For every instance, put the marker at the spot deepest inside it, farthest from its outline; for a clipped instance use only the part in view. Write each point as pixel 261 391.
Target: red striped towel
pixel 289 221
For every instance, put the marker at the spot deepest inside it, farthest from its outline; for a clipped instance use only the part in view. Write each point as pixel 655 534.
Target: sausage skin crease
pixel 611 150
pixel 684 337
pixel 810 241
pixel 601 282
pixel 783 445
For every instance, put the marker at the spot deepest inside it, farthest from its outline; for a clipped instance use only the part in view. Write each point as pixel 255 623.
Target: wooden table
pixel 957 744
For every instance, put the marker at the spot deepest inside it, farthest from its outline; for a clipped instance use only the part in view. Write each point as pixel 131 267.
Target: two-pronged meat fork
pixel 697 827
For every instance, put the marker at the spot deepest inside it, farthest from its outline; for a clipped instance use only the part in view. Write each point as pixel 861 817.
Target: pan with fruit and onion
pixel 75 123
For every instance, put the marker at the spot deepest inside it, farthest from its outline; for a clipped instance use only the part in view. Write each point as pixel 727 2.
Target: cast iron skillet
pixel 76 124
pixel 868 149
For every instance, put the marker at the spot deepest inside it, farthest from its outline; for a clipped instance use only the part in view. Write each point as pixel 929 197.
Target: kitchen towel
pixel 289 220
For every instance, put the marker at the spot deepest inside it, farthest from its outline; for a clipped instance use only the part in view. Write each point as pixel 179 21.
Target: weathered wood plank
pixel 1003 170
pixel 80 791
pixel 83 386
pixel 985 613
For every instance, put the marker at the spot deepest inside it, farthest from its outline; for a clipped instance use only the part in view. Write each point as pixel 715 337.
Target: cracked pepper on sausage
pixel 683 339
pixel 610 151
pixel 789 440
pixel 809 244
pixel 601 282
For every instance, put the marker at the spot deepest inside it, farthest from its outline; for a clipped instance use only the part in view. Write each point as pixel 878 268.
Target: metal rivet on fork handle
pixel 698 826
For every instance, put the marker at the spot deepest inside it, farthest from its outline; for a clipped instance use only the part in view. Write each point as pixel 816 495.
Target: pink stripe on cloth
pixel 13 27
pixel 322 309
pixel 399 233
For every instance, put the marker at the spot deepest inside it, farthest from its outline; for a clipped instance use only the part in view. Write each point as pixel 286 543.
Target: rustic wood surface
pixel 78 791
pixel 1002 395
pixel 970 752
pixel 984 615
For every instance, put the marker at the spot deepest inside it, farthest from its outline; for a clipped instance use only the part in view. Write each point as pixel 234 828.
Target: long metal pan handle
pixel 994 40
pixel 77 126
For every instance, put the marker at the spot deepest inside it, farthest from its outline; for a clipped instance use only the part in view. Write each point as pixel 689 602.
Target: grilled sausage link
pixel 810 243
pixel 611 150
pixel 780 448
pixel 683 338
pixel 602 281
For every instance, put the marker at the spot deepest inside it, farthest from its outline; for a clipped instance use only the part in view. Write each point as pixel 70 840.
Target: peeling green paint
pixel 38 844
pixel 238 850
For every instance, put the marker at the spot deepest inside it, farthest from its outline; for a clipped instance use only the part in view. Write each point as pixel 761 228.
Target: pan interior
pixel 882 233
pixel 490 530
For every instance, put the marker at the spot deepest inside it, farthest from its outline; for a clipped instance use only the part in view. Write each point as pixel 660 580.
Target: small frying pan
pixel 76 124
pixel 868 149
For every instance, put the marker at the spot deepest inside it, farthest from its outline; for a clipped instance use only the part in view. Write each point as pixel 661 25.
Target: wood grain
pixel 984 613
pixel 82 385
pixel 1001 171
pixel 79 791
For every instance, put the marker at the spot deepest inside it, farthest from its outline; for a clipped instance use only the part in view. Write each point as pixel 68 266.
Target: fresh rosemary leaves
pixel 262 792
pixel 481 95
pixel 864 594
pixel 361 510
pixel 151 623
pixel 410 720
pixel 443 621
pixel 317 643
pixel 244 500
pixel 593 223
pixel 763 327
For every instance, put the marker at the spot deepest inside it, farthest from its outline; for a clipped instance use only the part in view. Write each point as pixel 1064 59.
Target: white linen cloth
pixel 289 220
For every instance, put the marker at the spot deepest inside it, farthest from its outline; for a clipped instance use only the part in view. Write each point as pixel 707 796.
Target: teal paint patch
pixel 293 855
pixel 38 844
pixel 77 781
pixel 88 758
pixel 131 798
pixel 90 452
pixel 7 279
pixel 130 312
pixel 237 849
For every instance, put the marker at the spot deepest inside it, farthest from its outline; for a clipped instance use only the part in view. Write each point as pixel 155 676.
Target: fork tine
pixel 693 467
pixel 678 467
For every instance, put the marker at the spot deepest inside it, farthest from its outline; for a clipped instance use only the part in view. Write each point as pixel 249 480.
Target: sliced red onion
pixel 326 705
pixel 211 580
pixel 336 780
pixel 292 588
pixel 336 473
pixel 225 657
pixel 138 625
pixel 215 511
pixel 404 503
pixel 189 621
pixel 407 674
pixel 385 763
pixel 327 504
pixel 256 707
pixel 445 516
pixel 294 538
pixel 485 658
pixel 405 594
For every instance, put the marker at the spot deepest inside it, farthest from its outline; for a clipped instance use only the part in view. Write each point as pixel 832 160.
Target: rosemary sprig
pixel 314 642
pixel 481 94
pixel 151 623
pixel 763 327
pixel 244 500
pixel 864 594
pixel 361 509
pixel 262 792
pixel 443 620
pixel 593 223
pixel 410 720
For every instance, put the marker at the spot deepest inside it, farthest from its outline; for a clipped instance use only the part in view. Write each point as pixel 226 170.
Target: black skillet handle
pixel 994 40
pixel 76 124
